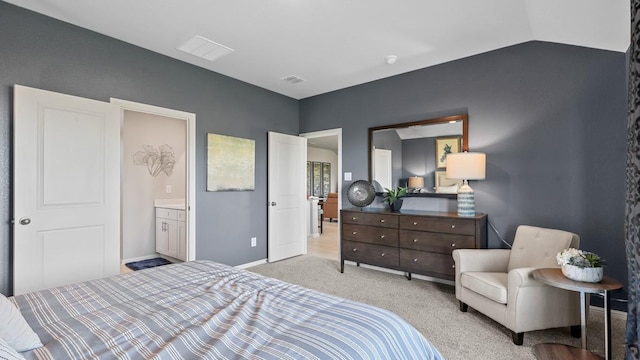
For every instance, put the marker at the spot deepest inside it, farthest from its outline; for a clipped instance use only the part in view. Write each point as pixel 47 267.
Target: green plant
pixel 394 194
pixel 579 258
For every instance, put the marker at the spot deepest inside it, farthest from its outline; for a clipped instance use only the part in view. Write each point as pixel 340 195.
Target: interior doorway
pixel 324 148
pixel 158 171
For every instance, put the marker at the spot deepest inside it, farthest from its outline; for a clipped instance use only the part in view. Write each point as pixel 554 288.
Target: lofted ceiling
pixel 333 44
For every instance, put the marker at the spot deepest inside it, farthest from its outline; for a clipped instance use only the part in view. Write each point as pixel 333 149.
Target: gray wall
pixel 41 52
pixel 551 119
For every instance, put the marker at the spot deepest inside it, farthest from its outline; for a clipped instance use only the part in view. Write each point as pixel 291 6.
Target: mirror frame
pixel 465 144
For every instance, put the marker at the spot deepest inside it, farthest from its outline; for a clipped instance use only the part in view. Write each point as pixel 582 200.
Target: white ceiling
pixel 334 44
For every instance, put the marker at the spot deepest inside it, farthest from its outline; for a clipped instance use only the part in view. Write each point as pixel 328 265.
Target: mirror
pixel 413 154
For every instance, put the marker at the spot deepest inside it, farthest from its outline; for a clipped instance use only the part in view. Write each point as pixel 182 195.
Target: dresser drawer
pixel 370 234
pixel 435 242
pixel 427 263
pixel 370 254
pixel 371 219
pixel 441 225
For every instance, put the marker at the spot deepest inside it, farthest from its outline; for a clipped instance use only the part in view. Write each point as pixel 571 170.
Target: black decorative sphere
pixel 361 193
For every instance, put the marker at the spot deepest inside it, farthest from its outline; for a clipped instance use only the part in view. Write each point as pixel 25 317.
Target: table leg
pixel 583 318
pixel 607 325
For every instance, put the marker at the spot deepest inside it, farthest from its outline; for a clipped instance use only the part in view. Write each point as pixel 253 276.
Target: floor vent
pixel 205 48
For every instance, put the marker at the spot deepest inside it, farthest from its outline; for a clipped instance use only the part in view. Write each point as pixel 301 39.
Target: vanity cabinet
pixel 171 233
pixel 419 242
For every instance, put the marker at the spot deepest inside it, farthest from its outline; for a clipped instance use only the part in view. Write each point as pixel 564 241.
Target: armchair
pixel 330 207
pixel 498 283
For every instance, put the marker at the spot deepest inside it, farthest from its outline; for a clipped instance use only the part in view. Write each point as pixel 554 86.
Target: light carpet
pixel 432 308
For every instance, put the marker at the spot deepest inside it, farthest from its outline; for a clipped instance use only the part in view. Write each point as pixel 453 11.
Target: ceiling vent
pixel 205 48
pixel 293 79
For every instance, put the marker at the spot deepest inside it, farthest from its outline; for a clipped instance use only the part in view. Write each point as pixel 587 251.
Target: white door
pixel 66 189
pixel 382 168
pixel 286 196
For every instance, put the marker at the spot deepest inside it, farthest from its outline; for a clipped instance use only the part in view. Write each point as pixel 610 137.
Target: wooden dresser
pixel 412 241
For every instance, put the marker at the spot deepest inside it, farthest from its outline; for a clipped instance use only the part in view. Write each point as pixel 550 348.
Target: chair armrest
pixel 488 260
pixel 521 277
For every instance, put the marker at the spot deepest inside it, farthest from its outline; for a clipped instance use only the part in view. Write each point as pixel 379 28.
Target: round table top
pixel 554 277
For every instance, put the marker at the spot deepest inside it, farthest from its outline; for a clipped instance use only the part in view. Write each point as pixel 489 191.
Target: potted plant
pixel 580 265
pixel 393 197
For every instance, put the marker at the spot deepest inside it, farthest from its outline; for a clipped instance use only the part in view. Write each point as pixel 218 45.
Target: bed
pixel 206 310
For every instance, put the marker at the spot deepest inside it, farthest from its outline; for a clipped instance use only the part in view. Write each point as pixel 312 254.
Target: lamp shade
pixel 416 182
pixel 466 166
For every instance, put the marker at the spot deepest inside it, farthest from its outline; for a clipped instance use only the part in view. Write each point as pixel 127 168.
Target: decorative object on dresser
pixel 466 166
pixel 361 193
pixel 416 183
pixel 412 241
pixel 393 197
pixel 499 283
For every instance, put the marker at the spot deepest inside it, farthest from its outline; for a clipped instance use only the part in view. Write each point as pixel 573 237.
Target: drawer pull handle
pixel 453 266
pixel 382 236
pixel 415 260
pixel 453 245
pixel 415 240
pixel 383 254
pixel 453 226
pixel 355 249
pixel 381 220
pixel 354 218
pixel 415 223
pixel 353 233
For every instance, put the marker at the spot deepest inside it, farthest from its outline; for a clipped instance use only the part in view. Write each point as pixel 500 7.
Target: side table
pixel 554 277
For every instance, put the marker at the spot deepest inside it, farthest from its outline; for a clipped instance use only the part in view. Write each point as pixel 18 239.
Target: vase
pixel 585 274
pixel 396 205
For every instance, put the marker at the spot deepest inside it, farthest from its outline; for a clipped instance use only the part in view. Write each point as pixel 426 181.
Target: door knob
pixel 24 221
pixel 273 203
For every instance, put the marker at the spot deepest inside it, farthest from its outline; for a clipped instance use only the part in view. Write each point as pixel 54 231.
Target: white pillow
pixel 7 352
pixel 14 329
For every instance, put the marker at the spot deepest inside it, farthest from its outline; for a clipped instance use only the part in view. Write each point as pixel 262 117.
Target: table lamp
pixel 416 183
pixel 466 166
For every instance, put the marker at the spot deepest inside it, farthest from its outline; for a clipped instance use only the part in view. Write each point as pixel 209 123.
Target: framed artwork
pixel 230 163
pixel 444 185
pixel 444 146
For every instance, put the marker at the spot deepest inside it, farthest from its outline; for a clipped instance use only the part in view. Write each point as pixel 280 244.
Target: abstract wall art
pixel 230 163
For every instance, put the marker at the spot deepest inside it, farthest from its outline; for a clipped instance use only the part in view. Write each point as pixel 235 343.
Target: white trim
pixel 332 132
pixel 251 264
pixel 190 118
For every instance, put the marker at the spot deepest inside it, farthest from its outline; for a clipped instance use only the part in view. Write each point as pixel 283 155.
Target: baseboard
pixel 251 264
pixel 621 315
pixel 140 258
pixel 396 272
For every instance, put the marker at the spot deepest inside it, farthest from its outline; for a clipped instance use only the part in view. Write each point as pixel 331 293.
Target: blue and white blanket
pixel 205 310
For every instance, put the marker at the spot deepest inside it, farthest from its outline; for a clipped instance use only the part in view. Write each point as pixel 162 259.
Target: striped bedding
pixel 205 310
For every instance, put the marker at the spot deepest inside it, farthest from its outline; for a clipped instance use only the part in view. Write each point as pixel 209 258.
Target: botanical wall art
pixel 230 163
pixel 157 160
pixel 444 146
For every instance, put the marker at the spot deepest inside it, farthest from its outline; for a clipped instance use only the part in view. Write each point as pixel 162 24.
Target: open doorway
pixel 157 183
pixel 324 188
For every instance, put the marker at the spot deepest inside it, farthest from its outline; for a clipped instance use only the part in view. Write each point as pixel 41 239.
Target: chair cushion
pixel 538 247
pixel 492 285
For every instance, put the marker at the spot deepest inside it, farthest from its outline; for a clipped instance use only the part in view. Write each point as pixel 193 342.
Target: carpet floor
pixel 432 308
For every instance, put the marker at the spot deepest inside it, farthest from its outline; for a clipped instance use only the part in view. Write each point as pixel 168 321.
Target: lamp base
pixel 466 201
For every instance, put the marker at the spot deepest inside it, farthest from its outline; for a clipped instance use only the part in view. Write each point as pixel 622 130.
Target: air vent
pixel 293 79
pixel 205 48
